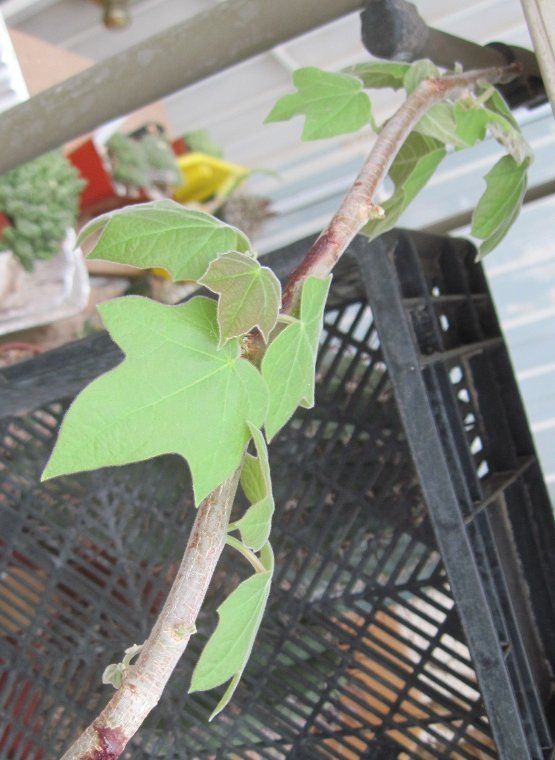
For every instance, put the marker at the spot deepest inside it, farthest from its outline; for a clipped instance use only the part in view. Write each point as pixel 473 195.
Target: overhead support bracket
pixel 394 29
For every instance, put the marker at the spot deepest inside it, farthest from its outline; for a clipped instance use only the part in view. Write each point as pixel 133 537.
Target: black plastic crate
pixel 362 653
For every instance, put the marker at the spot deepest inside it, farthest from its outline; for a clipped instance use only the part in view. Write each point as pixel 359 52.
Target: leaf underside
pixel 380 73
pixel 228 649
pixel 333 104
pixel 163 234
pixel 250 295
pixel 440 123
pixel 500 204
pixel 288 364
pixel 417 73
pixel 412 168
pixel 256 523
pixel 175 392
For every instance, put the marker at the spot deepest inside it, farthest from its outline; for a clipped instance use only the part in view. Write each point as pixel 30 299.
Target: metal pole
pixel 540 17
pixel 225 35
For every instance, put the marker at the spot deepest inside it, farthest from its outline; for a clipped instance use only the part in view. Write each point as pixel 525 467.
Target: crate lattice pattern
pixel 361 653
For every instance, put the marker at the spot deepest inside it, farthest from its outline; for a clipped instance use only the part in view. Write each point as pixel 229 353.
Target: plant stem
pixel 144 682
pixel 358 204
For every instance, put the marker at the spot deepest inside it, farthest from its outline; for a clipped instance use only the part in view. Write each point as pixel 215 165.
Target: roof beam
pixel 200 46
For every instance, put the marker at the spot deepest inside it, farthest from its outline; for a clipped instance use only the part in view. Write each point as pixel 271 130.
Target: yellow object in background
pixel 205 176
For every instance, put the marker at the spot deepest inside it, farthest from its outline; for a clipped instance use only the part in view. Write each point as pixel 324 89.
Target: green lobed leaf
pixel 228 649
pixel 256 523
pixel 163 234
pixel 333 104
pixel 289 363
pixel 250 295
pixel 417 72
pixel 175 392
pixel 500 204
pixel 380 73
pixel 413 166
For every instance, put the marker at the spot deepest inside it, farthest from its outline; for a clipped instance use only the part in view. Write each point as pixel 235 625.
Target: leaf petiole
pixel 246 552
pixel 287 319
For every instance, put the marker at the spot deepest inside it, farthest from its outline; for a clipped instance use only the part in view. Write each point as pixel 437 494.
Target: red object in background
pixel 100 194
pixel 4 222
pixel 179 147
pixel 90 164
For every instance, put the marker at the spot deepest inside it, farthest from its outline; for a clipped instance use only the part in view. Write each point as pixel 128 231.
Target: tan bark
pixel 144 682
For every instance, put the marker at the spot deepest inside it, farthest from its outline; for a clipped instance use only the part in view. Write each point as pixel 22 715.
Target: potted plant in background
pixel 39 204
pixel 128 163
pixel 129 168
pixel 163 171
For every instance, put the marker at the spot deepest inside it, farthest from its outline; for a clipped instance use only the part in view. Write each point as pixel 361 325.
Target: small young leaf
pixel 502 124
pixel 175 392
pixel 509 137
pixel 439 122
pixel 163 234
pixel 253 482
pixel 413 166
pixel 500 204
pixel 417 72
pixel 250 295
pixel 471 124
pixel 288 365
pixel 256 523
pixel 333 104
pixel 228 649
pixel 380 73
pixel 497 104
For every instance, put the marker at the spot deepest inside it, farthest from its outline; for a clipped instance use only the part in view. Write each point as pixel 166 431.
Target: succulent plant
pixel 143 161
pixel 128 161
pixel 163 168
pixel 40 200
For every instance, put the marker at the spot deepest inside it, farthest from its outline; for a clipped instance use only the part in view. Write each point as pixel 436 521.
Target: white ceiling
pixel 12 86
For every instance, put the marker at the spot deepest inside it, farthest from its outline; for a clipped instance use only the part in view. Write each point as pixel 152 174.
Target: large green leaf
pixel 333 104
pixel 175 392
pixel 380 73
pixel 250 295
pixel 289 362
pixel 228 649
pixel 256 523
pixel 413 166
pixel 500 204
pixel 163 234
